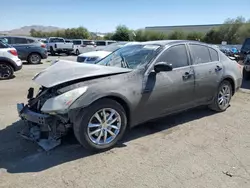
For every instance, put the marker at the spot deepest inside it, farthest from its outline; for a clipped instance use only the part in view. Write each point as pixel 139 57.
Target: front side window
pixel 175 55
pixel 200 54
pixel 131 56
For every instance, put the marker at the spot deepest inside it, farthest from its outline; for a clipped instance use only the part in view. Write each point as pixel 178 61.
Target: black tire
pixel 246 74
pixel 52 52
pixel 77 52
pixel 6 71
pixel 34 58
pixel 81 125
pixel 215 106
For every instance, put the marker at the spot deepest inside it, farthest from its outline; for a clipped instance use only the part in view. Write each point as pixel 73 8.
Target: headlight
pixel 62 102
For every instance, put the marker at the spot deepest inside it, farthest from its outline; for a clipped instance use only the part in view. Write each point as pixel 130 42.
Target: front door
pixel 208 71
pixel 167 92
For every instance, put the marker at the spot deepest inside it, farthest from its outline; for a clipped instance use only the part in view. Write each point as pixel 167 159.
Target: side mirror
pixel 162 67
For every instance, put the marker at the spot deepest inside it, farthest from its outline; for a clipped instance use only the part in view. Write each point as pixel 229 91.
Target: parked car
pixel 82 45
pixel 246 68
pixel 104 42
pixel 92 57
pixel 95 56
pixel 132 85
pixel 9 61
pixel 245 49
pixel 59 45
pixel 29 49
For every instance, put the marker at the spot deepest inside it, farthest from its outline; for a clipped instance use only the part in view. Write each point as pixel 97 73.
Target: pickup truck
pixel 59 45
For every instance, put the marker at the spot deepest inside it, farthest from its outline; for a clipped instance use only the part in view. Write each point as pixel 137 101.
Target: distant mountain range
pixel 26 30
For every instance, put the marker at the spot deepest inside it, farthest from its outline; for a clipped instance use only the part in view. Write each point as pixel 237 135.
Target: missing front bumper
pixel 36 125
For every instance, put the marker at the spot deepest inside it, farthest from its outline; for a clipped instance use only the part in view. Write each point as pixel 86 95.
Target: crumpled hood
pixel 64 71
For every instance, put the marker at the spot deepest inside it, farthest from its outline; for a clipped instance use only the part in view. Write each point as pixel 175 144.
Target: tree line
pixel 234 31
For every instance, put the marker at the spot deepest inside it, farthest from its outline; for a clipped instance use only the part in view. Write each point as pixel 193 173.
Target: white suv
pixel 9 61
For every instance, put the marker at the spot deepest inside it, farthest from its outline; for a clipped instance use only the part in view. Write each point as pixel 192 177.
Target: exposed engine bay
pixel 49 129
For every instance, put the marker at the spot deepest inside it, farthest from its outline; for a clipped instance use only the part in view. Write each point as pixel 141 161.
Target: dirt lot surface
pixel 195 149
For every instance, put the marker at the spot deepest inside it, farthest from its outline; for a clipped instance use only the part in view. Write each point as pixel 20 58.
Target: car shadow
pixel 18 155
pixel 26 63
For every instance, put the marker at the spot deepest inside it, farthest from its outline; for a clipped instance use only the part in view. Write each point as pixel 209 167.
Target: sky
pixel 105 15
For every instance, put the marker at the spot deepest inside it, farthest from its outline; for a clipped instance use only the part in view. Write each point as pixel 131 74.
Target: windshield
pixel 131 56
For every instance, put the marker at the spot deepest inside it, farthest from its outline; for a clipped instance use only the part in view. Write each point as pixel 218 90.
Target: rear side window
pixel 17 40
pixel 214 54
pixel 200 54
pixel 30 40
pixel 175 55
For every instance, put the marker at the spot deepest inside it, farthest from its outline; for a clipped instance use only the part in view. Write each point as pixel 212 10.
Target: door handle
pixel 187 75
pixel 218 68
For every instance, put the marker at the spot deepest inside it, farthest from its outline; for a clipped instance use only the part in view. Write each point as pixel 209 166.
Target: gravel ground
pixel 195 149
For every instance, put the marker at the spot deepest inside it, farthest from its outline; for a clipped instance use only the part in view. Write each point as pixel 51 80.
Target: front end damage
pixel 46 129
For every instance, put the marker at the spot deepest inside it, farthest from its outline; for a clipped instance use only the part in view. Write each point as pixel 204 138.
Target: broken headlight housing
pixel 60 104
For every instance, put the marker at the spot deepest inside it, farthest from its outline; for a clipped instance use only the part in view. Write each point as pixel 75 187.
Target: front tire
pixel 6 71
pixel 223 97
pixel 77 52
pixel 101 125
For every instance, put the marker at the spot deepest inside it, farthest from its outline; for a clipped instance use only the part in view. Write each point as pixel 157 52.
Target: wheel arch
pixel 81 103
pixel 8 61
pixel 232 82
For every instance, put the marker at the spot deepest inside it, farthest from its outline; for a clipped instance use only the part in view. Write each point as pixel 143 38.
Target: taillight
pixel 13 52
pixel 43 45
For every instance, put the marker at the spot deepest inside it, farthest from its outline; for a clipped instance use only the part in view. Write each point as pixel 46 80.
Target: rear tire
pixel 6 71
pixel 34 58
pixel 77 52
pixel 52 52
pixel 112 133
pixel 223 97
pixel 246 74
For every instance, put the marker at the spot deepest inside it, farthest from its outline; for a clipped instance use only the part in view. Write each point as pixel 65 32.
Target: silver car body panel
pixel 65 71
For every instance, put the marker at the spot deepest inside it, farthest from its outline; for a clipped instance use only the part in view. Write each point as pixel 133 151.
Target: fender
pixel 88 98
pixel 11 62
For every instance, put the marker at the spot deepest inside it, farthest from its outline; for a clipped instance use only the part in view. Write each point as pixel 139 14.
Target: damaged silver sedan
pixel 132 85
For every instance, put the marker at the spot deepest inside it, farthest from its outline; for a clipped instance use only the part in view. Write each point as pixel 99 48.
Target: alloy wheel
pixel 224 96
pixel 104 126
pixel 35 59
pixel 5 71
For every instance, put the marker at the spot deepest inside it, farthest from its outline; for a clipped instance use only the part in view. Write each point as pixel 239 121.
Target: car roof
pixel 27 37
pixel 168 42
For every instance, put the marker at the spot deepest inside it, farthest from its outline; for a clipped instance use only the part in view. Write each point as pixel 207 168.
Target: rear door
pixel 22 46
pixel 208 71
